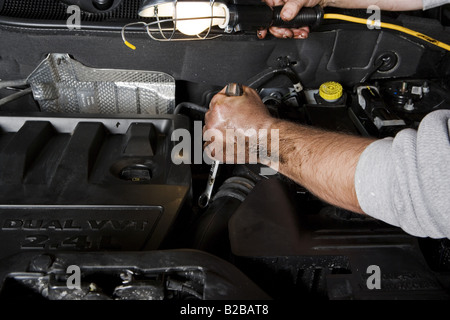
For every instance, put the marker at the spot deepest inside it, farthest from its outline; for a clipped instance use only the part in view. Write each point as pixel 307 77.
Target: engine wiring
pixel 335 16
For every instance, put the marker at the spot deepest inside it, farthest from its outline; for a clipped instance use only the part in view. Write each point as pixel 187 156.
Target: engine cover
pixel 88 183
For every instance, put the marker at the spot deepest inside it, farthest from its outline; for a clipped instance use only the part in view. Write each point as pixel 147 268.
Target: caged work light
pixel 172 20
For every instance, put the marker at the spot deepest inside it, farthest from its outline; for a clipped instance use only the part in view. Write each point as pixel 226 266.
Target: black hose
pixel 14 96
pixel 210 232
pixel 235 187
pixel 262 78
pixel 13 83
pixel 311 17
pixel 189 105
pixel 255 83
pixel 372 71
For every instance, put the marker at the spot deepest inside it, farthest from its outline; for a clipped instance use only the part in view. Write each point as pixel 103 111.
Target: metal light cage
pixel 165 28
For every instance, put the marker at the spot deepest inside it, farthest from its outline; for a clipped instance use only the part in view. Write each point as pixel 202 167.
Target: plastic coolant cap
pixel 331 91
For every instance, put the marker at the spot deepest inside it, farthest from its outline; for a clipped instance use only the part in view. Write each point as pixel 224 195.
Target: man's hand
pixel 241 115
pixel 323 162
pixel 290 10
pixel 292 7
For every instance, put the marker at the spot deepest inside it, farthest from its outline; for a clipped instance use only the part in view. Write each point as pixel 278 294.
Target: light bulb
pixel 199 14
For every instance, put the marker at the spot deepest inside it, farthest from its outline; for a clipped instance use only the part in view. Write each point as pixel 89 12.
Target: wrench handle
pixel 234 90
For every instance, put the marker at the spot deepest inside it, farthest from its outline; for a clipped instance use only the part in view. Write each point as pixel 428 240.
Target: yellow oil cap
pixel 331 91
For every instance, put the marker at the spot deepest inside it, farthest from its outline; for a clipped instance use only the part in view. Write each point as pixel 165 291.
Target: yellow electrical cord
pixel 129 45
pixel 388 26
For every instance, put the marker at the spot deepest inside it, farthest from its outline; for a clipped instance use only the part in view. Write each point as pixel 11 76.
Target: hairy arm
pixel 323 162
pixel 404 181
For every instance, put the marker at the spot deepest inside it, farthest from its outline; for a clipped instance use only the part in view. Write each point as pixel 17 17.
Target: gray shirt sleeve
pixel 429 4
pixel 405 181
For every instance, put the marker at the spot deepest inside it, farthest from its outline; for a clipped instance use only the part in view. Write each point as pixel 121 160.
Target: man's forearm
pixel 389 5
pixel 323 162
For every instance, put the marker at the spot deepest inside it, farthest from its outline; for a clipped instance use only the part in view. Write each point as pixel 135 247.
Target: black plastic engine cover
pixel 88 183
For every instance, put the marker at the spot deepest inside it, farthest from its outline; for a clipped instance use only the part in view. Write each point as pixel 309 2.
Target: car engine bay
pixel 87 175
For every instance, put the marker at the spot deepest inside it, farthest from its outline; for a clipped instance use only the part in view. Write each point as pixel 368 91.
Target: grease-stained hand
pixel 289 11
pixel 242 115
